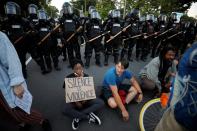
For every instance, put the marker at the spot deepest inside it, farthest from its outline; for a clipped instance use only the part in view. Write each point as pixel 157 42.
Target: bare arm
pixel 138 89
pixel 136 85
pixel 118 101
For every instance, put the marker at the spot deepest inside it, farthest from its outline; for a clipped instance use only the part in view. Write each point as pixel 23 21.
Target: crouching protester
pixel 158 73
pixel 82 109
pixel 118 94
pixel 13 88
pixel 181 114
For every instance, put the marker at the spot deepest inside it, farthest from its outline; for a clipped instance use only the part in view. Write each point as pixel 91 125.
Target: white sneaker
pixel 75 123
pixel 94 119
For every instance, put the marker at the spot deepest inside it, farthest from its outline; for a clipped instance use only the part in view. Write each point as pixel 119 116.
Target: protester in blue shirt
pixel 115 93
pixel 12 85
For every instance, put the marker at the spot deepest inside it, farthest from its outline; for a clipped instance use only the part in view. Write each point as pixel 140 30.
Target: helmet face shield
pixel 115 14
pixel 135 12
pixel 32 9
pixel 10 9
pixel 174 16
pixel 95 15
pixel 42 15
pixel 150 17
pixel 67 10
pixel 91 9
pixel 163 18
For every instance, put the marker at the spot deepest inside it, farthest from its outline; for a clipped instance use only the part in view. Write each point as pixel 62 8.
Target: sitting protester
pixel 13 86
pixel 115 93
pixel 82 110
pixel 157 74
pixel 181 115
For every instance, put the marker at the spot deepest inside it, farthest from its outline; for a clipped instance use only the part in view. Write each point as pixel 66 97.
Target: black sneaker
pixel 94 119
pixel 75 124
pixel 46 126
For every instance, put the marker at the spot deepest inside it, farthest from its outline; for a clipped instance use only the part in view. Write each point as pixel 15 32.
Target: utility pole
pixel 85 8
pixel 125 4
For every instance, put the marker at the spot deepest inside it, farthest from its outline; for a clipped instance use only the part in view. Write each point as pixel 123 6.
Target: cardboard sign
pixel 79 89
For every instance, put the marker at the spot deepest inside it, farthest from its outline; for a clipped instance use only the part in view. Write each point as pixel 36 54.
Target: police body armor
pixel 94 31
pixel 16 30
pixel 69 25
pixel 116 27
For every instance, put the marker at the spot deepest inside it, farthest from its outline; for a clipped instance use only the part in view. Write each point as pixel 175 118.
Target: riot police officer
pixel 45 47
pixel 114 26
pixel 161 27
pixel 93 29
pixel 147 28
pixel 15 26
pixel 132 19
pixel 70 25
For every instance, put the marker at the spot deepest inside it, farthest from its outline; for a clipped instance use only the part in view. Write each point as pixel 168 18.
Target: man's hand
pixel 19 91
pixel 124 30
pixel 140 97
pixel 125 115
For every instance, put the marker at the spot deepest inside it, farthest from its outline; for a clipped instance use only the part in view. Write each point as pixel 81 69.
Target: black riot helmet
pixel 162 18
pixel 61 12
pixel 174 16
pixel 67 9
pixel 115 13
pixel 81 14
pixel 32 9
pixel 150 17
pixel 110 14
pixel 95 15
pixel 42 15
pixel 90 9
pixel 12 8
pixel 135 12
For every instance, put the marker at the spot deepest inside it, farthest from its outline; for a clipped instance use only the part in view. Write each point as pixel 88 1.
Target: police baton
pixel 98 36
pixel 153 34
pixel 49 34
pixel 118 34
pixel 80 27
pixel 164 32
pixel 135 36
pixel 21 37
pixel 180 32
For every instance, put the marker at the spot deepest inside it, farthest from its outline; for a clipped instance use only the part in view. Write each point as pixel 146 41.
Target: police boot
pixel 44 70
pixel 122 54
pixel 57 68
pixel 106 60
pixel 116 59
pixel 143 57
pixel 87 63
pixel 129 56
pixel 98 63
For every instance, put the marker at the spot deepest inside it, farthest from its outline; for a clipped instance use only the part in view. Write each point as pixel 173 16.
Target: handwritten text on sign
pixel 79 89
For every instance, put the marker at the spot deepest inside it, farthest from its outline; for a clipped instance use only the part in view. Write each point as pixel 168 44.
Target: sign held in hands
pixel 79 89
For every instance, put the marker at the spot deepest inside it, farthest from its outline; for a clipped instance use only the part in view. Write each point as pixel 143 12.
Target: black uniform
pixel 114 26
pixel 15 26
pixel 69 24
pixel 93 29
pixel 131 19
pixel 147 28
pixel 47 48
